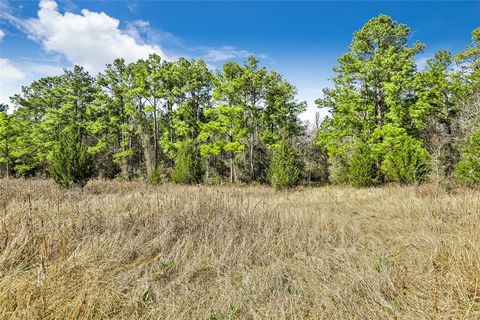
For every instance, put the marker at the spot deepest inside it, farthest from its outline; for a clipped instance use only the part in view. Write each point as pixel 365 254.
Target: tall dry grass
pixel 129 250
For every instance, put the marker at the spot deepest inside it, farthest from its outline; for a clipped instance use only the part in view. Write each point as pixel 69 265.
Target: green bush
pixel 156 177
pixel 285 169
pixel 406 161
pixel 188 164
pixel 72 165
pixel 363 171
pixel 338 170
pixel 468 169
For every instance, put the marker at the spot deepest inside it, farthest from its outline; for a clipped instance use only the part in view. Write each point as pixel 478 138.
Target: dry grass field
pixel 130 251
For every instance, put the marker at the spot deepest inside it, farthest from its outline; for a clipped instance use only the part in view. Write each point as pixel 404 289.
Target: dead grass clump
pixel 131 250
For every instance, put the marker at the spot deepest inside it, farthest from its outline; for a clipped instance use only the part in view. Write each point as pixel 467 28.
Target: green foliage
pixel 72 165
pixel 165 269
pixel 339 170
pixel 193 96
pixel 33 134
pixel 223 131
pixel 470 58
pixel 373 82
pixel 5 137
pixel 280 116
pixel 405 160
pixel 285 169
pixel 363 171
pixel 113 121
pixel 439 90
pixel 468 169
pixel 150 114
pixel 156 177
pixel 42 112
pixel 380 97
pixel 382 264
pixel 188 167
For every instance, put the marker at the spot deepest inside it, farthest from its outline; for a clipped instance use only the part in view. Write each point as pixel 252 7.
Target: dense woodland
pixel 176 120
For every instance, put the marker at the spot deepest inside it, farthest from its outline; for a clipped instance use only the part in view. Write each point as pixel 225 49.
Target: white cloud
pixel 9 72
pixel 15 75
pixel 2 34
pixel 44 69
pixel 91 39
pixel 421 62
pixel 132 6
pixel 142 32
pixel 225 53
pixel 11 79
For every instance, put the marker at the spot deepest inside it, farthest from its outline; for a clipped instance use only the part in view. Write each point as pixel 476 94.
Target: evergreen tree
pixel 148 96
pixel 468 118
pixel 363 171
pixel 251 90
pixel 280 115
pixel 188 165
pixel 225 131
pixel 193 96
pixel 72 165
pixel 469 59
pixel 285 169
pixel 5 140
pixel 373 90
pixel 468 169
pixel 387 122
pixel 35 130
pixel 405 159
pixel 439 89
pixel 112 124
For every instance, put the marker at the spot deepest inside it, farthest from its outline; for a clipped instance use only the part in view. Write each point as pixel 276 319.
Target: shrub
pixel 363 169
pixel 406 161
pixel 468 169
pixel 188 165
pixel 156 177
pixel 316 173
pixel 338 170
pixel 285 168
pixel 72 165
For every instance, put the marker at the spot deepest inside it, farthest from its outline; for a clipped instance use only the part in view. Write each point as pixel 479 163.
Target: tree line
pixel 161 120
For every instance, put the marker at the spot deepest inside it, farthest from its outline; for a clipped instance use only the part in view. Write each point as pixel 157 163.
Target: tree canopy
pixel 387 120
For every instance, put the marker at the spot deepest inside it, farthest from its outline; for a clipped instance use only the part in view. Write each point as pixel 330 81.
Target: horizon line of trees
pixel 160 120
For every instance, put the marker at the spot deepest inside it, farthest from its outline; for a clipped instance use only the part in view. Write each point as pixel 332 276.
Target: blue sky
pixel 302 40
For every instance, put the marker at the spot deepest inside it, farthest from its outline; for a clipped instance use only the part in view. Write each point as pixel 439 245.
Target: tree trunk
pixel 378 110
pixel 232 168
pixel 7 159
pixel 155 138
pixel 125 170
pixel 207 169
pixel 147 148
pixel 147 154
pixel 145 139
pixel 252 165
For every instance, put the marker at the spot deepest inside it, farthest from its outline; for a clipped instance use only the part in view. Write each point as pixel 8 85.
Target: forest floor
pixel 130 250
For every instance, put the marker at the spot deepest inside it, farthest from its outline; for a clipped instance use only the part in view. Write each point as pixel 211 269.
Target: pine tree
pixel 363 171
pixel 72 165
pixel 285 170
pixel 468 169
pixel 5 140
pixel 113 122
pixel 188 165
pixel 405 159
pixel 373 90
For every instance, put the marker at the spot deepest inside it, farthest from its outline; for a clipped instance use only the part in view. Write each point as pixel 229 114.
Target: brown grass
pixel 129 250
